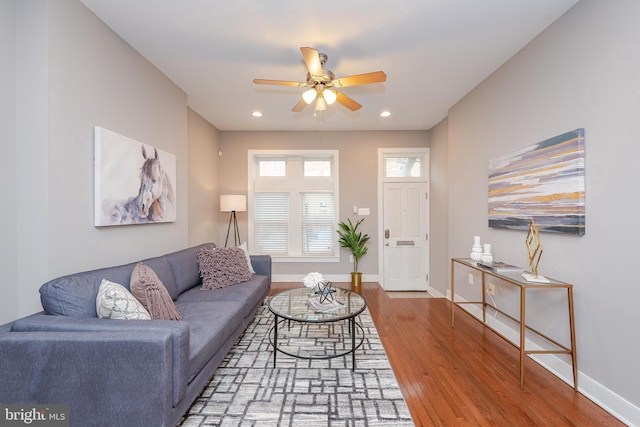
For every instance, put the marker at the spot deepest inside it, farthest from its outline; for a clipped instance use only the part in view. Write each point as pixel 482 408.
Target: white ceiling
pixel 433 52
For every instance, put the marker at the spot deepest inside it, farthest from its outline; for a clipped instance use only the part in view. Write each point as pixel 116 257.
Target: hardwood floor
pixel 467 376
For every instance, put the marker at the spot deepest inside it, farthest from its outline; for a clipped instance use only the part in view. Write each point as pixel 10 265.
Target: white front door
pixel 405 239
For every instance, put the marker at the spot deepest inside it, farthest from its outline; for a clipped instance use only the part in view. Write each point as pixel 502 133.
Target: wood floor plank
pixel 467 375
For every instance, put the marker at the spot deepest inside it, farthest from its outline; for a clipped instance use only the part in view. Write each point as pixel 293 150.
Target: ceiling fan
pixel 322 83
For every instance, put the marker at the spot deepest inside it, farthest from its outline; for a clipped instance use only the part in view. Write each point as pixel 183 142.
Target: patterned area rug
pixel 246 390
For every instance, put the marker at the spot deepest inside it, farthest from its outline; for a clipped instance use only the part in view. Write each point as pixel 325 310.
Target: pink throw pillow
pixel 220 267
pixel 152 294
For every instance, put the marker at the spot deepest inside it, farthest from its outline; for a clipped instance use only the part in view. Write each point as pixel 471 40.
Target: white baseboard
pixel 434 293
pixel 607 399
pixel 336 278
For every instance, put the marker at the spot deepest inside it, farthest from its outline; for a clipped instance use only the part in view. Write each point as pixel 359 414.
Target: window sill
pixel 305 259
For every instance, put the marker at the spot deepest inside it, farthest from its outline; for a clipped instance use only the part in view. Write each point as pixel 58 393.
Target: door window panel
pixel 403 167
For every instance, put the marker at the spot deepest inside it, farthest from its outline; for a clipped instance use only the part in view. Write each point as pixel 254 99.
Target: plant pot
pixel 356 281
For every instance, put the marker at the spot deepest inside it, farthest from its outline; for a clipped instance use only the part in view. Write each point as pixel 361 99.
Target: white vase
pixel 476 249
pixel 486 255
pixel 487 258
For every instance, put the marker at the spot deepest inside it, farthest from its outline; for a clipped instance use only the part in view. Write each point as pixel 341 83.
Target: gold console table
pixel 515 278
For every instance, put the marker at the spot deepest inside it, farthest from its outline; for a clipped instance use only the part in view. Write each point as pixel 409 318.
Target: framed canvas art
pixel 134 182
pixel 544 182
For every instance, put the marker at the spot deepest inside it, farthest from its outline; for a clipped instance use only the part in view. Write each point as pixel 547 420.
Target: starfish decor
pixel 325 291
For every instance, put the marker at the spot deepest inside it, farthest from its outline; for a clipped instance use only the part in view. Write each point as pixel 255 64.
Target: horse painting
pixel 156 192
pixel 155 201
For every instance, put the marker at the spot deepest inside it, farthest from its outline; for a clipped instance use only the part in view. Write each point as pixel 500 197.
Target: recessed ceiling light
pixel 256 114
pixel 385 114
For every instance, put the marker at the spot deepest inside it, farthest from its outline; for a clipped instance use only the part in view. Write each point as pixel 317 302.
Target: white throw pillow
pixel 243 246
pixel 114 301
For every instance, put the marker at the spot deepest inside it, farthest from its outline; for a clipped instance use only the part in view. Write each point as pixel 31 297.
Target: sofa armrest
pixel 179 332
pixel 262 265
pixel 109 378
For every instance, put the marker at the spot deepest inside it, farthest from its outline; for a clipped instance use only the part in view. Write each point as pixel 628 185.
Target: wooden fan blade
pixel 360 79
pixel 278 82
pixel 299 106
pixel 347 102
pixel 312 59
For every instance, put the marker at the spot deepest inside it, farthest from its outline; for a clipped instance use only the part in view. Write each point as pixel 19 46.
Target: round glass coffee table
pixel 301 305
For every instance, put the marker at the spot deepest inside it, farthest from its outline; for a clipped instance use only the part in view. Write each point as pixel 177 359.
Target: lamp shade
pixel 321 104
pixel 233 202
pixel 309 96
pixel 329 96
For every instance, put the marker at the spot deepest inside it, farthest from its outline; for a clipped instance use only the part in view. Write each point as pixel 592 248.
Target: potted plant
pixel 355 241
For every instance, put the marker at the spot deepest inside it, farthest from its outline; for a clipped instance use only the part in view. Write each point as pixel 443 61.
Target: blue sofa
pixel 126 372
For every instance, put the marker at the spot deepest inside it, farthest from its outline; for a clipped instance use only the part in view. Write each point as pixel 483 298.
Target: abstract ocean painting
pixel 544 182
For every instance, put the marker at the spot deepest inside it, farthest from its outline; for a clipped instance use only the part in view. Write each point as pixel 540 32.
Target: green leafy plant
pixel 353 239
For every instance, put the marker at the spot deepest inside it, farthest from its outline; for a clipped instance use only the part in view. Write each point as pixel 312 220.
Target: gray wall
pixel 31 151
pixel 74 73
pixel 8 189
pixel 439 209
pixel 581 72
pixel 358 180
pixel 204 165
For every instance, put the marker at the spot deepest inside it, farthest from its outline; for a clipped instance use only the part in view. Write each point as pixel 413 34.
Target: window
pixel 293 200
pixel 271 213
pixel 317 168
pixel 318 224
pixel 272 168
pixel 403 167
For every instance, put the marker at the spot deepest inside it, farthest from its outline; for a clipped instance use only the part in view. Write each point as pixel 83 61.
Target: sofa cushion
pixel 220 268
pixel 114 301
pixel 75 294
pixel 250 293
pixel 211 324
pixel 185 269
pixel 148 288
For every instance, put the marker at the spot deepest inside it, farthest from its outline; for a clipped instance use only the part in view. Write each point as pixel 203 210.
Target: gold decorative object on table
pixel 534 250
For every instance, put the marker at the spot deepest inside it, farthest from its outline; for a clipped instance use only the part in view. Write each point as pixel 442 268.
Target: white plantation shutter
pixel 271 223
pixel 317 223
pixel 293 207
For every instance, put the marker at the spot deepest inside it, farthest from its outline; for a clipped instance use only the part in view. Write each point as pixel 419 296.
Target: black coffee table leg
pixel 352 324
pixel 275 340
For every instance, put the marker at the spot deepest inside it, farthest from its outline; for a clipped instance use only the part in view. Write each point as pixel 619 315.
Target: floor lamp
pixel 233 203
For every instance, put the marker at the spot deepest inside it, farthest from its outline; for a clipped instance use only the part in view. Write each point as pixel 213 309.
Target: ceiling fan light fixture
pixel 309 95
pixel 321 82
pixel 321 103
pixel 329 96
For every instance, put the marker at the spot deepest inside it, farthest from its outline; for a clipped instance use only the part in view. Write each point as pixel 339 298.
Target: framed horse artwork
pixel 134 182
